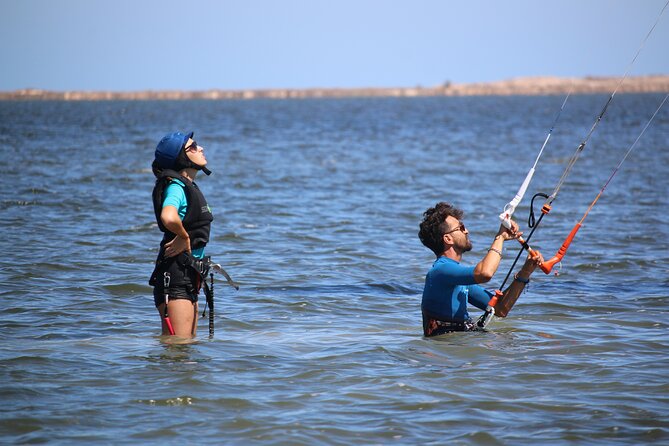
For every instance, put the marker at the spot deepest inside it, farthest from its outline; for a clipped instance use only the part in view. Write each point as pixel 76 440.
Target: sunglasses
pixel 461 227
pixel 192 147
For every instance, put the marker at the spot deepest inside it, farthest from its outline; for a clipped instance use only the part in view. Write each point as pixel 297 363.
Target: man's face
pixel 459 235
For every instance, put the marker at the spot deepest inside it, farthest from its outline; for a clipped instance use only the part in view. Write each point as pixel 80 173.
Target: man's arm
pixel 521 279
pixel 487 267
pixel 479 297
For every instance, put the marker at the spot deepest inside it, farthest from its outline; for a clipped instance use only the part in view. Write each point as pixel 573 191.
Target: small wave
pixel 9 203
pixel 125 289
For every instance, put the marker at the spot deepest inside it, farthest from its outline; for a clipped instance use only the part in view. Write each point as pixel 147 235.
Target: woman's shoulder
pixel 176 188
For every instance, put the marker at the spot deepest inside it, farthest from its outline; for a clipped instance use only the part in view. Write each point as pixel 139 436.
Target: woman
pixel 185 218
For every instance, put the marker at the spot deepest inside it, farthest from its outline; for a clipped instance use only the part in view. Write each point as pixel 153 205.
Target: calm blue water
pixel 317 205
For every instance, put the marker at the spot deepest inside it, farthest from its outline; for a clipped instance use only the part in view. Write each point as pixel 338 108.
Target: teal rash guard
pixel 176 197
pixel 449 286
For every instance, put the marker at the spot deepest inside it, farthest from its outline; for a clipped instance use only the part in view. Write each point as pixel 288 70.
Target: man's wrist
pixel 498 251
pixel 527 269
pixel 524 273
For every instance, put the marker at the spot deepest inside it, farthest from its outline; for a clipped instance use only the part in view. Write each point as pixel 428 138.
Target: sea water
pixel 317 205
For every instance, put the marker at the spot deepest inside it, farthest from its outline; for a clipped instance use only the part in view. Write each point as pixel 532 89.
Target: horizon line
pixel 526 85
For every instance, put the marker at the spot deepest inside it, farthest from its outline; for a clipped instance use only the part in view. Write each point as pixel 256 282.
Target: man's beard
pixel 468 245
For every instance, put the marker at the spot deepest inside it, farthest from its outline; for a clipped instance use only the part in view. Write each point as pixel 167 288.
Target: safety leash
pixel 209 291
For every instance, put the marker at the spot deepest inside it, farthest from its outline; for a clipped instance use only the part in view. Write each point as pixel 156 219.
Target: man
pixel 449 286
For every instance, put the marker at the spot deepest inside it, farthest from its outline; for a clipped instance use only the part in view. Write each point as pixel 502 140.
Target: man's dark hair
pixel 434 225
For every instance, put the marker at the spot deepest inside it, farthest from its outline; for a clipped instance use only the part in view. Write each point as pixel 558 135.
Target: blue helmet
pixel 169 148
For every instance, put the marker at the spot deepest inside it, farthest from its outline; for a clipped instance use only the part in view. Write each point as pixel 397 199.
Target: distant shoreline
pixel 527 86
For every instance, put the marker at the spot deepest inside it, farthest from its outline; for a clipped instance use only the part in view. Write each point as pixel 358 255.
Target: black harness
pixel 184 270
pixel 435 326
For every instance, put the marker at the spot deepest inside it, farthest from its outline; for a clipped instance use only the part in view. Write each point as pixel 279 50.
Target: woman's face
pixel 195 152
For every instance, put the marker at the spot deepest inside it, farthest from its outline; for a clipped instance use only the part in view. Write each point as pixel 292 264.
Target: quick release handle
pixel 166 317
pixel 169 325
pixel 547 265
pixel 486 317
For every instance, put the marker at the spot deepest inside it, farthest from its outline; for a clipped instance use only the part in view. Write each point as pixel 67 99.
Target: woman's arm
pixel 170 218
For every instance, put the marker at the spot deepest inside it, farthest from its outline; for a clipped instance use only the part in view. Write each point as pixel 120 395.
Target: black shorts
pixel 184 281
pixel 173 294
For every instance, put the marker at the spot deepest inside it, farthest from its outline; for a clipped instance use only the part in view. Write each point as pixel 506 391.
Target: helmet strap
pixel 184 161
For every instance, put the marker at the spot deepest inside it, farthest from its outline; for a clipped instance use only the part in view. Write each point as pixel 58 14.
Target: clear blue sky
pixel 124 45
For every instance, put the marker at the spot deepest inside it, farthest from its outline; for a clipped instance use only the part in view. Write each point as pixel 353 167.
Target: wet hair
pixel 434 225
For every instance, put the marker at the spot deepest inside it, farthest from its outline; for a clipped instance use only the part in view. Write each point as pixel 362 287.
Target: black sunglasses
pixel 192 146
pixel 461 227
